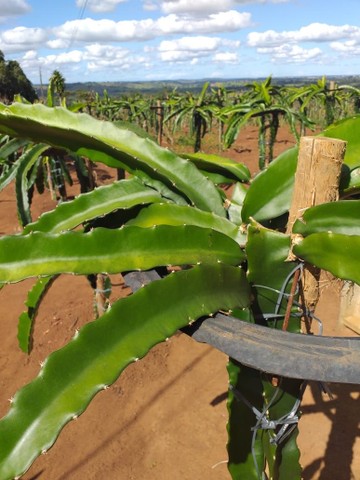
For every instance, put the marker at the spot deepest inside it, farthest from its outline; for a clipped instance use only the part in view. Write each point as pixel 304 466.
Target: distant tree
pixel 13 81
pixel 20 84
pixel 3 78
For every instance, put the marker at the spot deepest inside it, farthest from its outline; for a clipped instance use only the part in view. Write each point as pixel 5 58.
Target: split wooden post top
pixel 317 181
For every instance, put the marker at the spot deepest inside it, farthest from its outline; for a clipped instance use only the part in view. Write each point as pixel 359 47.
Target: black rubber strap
pixel 307 357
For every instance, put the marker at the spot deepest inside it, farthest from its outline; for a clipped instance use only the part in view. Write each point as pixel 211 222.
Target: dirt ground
pixel 165 418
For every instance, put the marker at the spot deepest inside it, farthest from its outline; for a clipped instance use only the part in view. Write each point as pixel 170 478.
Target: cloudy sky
pixel 115 40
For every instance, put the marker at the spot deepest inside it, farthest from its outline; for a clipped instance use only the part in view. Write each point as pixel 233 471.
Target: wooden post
pixel 316 181
pixel 160 119
pixel 332 86
pixel 101 297
pixel 349 314
pixel 50 179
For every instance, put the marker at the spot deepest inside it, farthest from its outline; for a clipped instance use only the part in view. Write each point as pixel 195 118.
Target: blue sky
pixel 129 40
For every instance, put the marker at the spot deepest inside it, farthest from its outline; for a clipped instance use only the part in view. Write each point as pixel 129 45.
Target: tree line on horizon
pixel 118 88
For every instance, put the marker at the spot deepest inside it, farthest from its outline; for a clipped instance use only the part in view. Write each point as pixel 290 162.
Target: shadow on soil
pixel 343 412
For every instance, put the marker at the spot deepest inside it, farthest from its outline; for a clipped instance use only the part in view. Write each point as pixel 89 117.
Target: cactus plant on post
pixel 232 256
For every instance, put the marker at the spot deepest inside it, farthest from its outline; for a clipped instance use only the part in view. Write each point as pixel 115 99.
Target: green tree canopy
pixel 14 81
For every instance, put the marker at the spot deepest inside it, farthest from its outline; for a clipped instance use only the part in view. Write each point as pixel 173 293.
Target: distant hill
pixel 116 89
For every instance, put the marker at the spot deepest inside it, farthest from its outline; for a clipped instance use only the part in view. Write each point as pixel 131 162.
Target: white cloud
pixel 104 57
pixel 270 37
pixel 321 32
pixel 32 61
pixel 284 47
pixel 201 7
pixel 191 48
pixel 21 39
pixel 57 44
pixel 13 7
pixel 149 5
pixel 100 6
pixel 226 57
pixel 195 43
pixel 117 65
pixel 291 53
pixel 21 35
pixel 96 51
pixel 315 32
pixel 36 65
pixel 90 30
pixel 349 48
pixel 75 56
pixel 177 56
pixel 94 58
pixel 215 23
pixel 30 55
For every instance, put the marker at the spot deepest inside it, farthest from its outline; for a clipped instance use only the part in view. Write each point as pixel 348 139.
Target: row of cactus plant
pixel 261 102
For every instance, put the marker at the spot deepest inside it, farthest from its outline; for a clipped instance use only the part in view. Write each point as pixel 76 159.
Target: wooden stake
pixel 316 181
pixel 101 300
pixel 160 119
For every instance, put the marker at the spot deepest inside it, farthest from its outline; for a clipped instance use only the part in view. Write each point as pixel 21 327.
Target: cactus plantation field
pixel 165 418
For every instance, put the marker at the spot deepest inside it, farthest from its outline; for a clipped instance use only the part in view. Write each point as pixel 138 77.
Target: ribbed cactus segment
pixel 71 376
pixel 101 201
pixel 26 162
pixel 169 214
pixel 347 129
pixel 26 319
pixel 112 251
pixel 269 195
pixel 240 445
pixel 10 148
pixel 220 165
pixel 115 146
pixel 333 252
pixel 336 217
